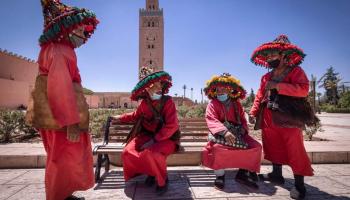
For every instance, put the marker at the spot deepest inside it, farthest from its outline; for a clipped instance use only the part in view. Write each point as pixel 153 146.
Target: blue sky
pixel 202 38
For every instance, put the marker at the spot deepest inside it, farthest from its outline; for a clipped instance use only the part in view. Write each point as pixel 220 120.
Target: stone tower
pixel 151 38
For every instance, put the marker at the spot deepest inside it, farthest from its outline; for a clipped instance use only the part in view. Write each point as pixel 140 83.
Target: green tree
pixel 12 123
pixel 344 100
pixel 248 102
pixel 87 91
pixel 329 81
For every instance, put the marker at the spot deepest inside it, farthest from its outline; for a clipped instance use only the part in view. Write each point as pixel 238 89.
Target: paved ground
pixel 329 182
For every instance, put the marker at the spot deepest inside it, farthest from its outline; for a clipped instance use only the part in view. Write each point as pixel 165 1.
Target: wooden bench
pixel 194 133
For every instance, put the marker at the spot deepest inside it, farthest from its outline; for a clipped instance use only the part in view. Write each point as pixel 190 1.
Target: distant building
pixel 17 79
pixel 110 100
pixel 151 36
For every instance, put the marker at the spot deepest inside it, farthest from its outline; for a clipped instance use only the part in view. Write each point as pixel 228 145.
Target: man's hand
pixel 230 138
pixel 252 119
pixel 116 119
pixel 73 133
pixel 147 144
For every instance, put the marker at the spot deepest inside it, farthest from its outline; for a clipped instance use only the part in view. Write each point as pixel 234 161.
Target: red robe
pixel 151 161
pixel 284 145
pixel 217 156
pixel 69 166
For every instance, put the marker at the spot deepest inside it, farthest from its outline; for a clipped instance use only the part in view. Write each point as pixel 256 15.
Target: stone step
pixel 26 155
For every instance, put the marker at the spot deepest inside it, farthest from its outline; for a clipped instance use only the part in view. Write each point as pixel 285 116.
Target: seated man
pixel 156 135
pixel 229 144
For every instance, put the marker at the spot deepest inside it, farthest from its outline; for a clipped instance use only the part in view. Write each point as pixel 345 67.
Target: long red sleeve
pixel 212 117
pixel 296 84
pixel 259 97
pixel 59 63
pixel 133 116
pixel 171 123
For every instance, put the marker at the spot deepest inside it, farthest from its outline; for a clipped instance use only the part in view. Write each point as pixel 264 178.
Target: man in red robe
pixel 146 152
pixel 224 149
pixel 281 145
pixel 58 108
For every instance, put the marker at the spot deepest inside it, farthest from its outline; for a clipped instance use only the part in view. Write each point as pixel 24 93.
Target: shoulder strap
pixel 235 108
pixel 282 75
pixel 157 111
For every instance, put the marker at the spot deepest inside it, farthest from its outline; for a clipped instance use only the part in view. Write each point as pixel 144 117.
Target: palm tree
pixel 192 94
pixel 184 87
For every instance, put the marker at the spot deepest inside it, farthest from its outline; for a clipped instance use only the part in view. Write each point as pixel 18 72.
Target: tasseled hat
pixel 147 78
pixel 225 80
pixel 294 55
pixel 61 20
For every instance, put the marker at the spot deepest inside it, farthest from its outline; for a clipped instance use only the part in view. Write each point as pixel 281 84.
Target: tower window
pixel 148 46
pixel 150 62
pixel 152 46
pixel 152 24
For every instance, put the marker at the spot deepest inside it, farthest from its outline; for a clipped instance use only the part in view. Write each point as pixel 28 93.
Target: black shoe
pixel 272 178
pixel 253 176
pixel 72 197
pixel 298 193
pixel 150 181
pixel 160 190
pixel 243 178
pixel 219 182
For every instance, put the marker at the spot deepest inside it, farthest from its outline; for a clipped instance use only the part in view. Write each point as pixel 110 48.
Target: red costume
pixel 284 145
pixel 151 160
pixel 58 101
pixel 217 156
pixel 69 166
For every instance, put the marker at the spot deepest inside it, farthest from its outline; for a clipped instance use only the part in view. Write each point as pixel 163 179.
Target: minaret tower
pixel 151 38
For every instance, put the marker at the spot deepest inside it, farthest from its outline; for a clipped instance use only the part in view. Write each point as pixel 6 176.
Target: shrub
pixel 98 119
pixel 12 124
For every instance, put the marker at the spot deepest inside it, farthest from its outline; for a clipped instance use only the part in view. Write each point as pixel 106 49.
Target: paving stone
pixel 325 185
pixel 109 190
pixel 342 179
pixel 31 192
pixel 324 170
pixel 8 190
pixel 343 169
pixel 7 175
pixel 177 190
pixel 190 183
pixel 261 198
pixel 33 176
pixel 203 186
pixel 328 196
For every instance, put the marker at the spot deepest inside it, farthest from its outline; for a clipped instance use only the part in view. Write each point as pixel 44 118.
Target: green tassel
pixel 65 23
pixel 56 28
pixel 69 20
pixel 79 17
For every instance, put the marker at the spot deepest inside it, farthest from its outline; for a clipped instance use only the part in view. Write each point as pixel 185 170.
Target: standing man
pixel 282 143
pixel 59 110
